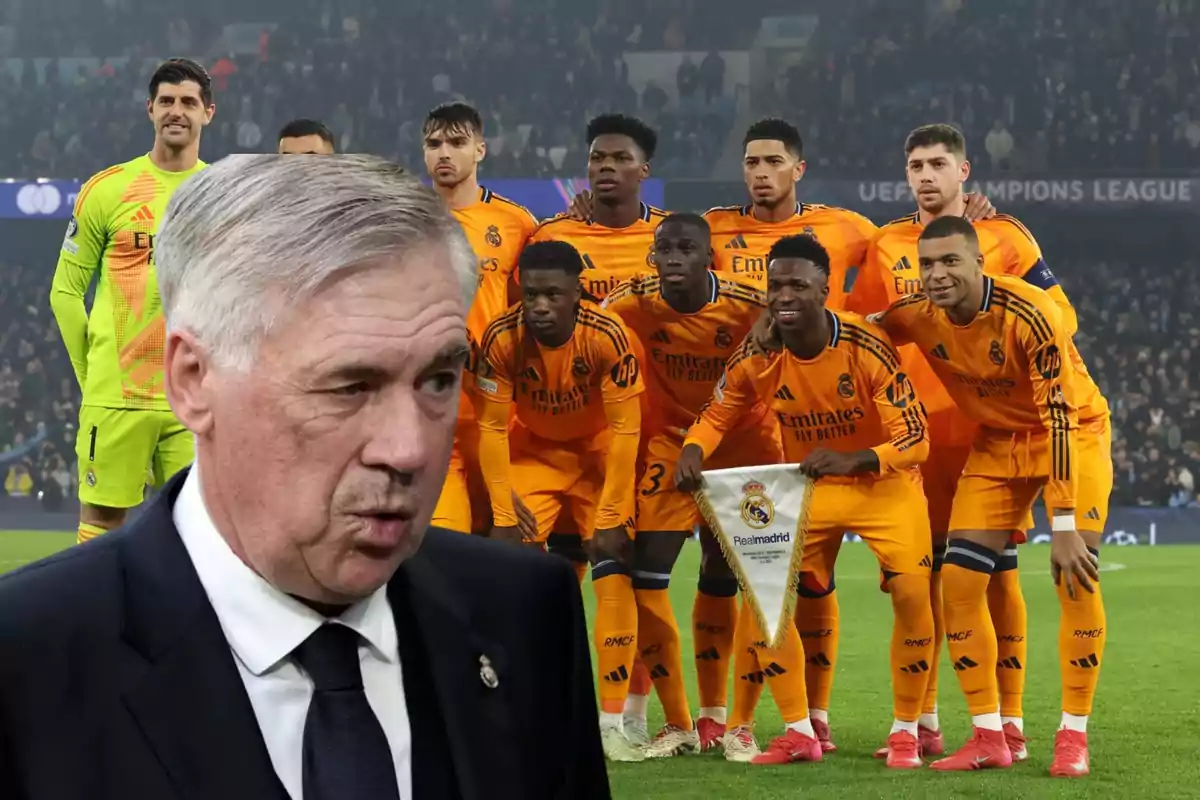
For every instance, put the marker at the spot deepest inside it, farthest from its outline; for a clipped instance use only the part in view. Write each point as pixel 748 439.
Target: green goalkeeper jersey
pixel 116 349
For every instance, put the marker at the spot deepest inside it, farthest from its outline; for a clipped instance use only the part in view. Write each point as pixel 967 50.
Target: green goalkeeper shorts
pixel 121 450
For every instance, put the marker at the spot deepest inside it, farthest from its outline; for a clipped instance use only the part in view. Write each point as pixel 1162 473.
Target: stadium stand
pixel 1121 94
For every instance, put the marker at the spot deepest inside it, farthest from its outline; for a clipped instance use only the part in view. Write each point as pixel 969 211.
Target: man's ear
pixel 187 371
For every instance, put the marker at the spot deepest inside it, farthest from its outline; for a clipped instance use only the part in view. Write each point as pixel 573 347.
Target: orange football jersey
pixel 684 355
pixel 891 271
pixel 497 229
pixel 611 256
pixel 1005 370
pixel 559 392
pixel 852 396
pixel 570 395
pixel 741 243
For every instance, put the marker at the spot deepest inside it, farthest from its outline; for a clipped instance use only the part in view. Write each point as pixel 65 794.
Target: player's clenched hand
pixel 1071 561
pixel 689 469
pixel 508 533
pixel 764 335
pixel 580 208
pixel 822 462
pixel 526 521
pixel 978 207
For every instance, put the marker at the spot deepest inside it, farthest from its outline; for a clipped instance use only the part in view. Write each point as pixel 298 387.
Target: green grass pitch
pixel 1145 731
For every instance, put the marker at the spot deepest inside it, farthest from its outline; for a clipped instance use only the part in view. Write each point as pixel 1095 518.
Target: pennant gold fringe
pixel 789 606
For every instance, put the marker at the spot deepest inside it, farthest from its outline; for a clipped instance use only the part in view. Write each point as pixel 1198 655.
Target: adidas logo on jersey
pixel 940 352
pixel 143 214
pixel 530 374
pixel 736 243
pixel 661 337
pixel 902 265
pixel 784 393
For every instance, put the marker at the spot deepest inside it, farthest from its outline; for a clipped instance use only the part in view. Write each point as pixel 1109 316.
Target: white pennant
pixel 759 516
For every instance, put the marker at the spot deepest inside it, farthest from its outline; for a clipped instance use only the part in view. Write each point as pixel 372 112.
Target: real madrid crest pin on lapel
pixel 486 674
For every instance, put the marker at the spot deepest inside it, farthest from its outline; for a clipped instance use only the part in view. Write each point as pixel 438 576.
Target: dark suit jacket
pixel 116 680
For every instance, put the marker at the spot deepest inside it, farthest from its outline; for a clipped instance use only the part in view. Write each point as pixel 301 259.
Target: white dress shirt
pixel 263 625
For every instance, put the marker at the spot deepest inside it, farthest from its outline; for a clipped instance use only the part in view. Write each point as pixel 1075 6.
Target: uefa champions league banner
pixel 889 199
pixel 54 199
pixel 759 516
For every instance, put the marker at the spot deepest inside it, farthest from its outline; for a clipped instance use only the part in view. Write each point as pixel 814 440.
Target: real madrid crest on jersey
pixel 580 368
pixel 757 510
pixel 845 385
pixel 996 354
pixel 809 231
pixel 723 338
pixel 492 236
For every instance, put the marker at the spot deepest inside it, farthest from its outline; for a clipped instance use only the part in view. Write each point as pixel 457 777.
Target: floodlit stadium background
pixel 1082 119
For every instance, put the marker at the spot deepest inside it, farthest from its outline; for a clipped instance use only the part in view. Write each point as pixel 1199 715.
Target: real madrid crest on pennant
pixel 757 511
pixel 759 516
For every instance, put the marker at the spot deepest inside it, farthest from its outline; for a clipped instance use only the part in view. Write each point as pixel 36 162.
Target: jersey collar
pixel 643 213
pixel 988 285
pixel 835 328
pixel 748 209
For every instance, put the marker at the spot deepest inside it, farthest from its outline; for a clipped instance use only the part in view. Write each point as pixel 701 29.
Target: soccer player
pixel 613 230
pixel 618 233
pixel 690 321
pixel 306 137
pixel 454 147
pixel 566 367
pixel 1002 350
pixel 772 165
pixel 852 420
pixel 125 424
pixel 936 168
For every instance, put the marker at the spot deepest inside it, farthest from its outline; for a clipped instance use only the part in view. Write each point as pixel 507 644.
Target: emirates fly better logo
pixel 39 199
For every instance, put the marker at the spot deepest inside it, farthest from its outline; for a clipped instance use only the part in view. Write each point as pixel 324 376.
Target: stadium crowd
pixel 1119 93
pixel 1140 341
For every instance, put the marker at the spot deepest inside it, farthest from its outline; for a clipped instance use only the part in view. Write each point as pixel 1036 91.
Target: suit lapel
pixel 476 717
pixel 188 698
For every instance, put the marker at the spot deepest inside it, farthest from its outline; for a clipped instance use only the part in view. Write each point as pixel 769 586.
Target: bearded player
pixel 497 228
pixel 936 168
pixel 690 320
pixel 125 423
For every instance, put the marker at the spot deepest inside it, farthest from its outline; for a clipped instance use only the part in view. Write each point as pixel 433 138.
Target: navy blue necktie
pixel 346 753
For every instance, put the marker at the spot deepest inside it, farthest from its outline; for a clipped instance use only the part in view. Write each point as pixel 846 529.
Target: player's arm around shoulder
pixel 627 295
pixel 552 229
pixel 899 318
pixel 869 292
pixel 895 398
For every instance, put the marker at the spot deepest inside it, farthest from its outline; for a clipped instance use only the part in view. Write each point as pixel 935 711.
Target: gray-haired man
pixel 281 623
